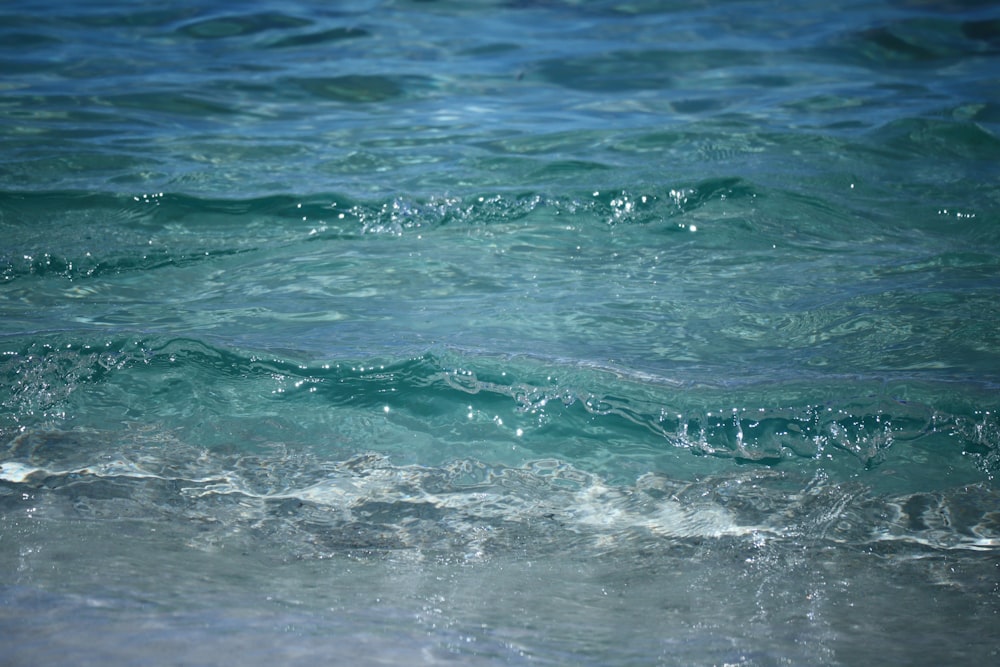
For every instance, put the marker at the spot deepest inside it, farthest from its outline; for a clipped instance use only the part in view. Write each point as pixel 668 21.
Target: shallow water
pixel 522 333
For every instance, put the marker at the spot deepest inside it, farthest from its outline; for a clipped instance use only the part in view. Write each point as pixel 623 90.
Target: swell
pixel 543 407
pixel 79 235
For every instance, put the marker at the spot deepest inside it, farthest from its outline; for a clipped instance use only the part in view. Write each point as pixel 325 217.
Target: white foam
pixel 16 472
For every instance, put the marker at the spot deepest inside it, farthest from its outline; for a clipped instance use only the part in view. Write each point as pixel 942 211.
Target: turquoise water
pixel 500 333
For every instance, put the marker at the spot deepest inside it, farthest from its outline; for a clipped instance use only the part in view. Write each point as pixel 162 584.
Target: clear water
pixel 500 333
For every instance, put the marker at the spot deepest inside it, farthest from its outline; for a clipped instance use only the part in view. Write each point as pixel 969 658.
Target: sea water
pixel 557 333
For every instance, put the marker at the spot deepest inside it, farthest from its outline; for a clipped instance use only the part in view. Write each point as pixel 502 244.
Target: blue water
pixel 589 333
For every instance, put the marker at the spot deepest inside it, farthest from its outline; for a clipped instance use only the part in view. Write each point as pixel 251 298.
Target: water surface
pixel 517 333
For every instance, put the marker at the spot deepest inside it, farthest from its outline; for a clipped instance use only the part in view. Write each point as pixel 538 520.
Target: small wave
pixel 124 233
pixel 579 413
pixel 239 25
